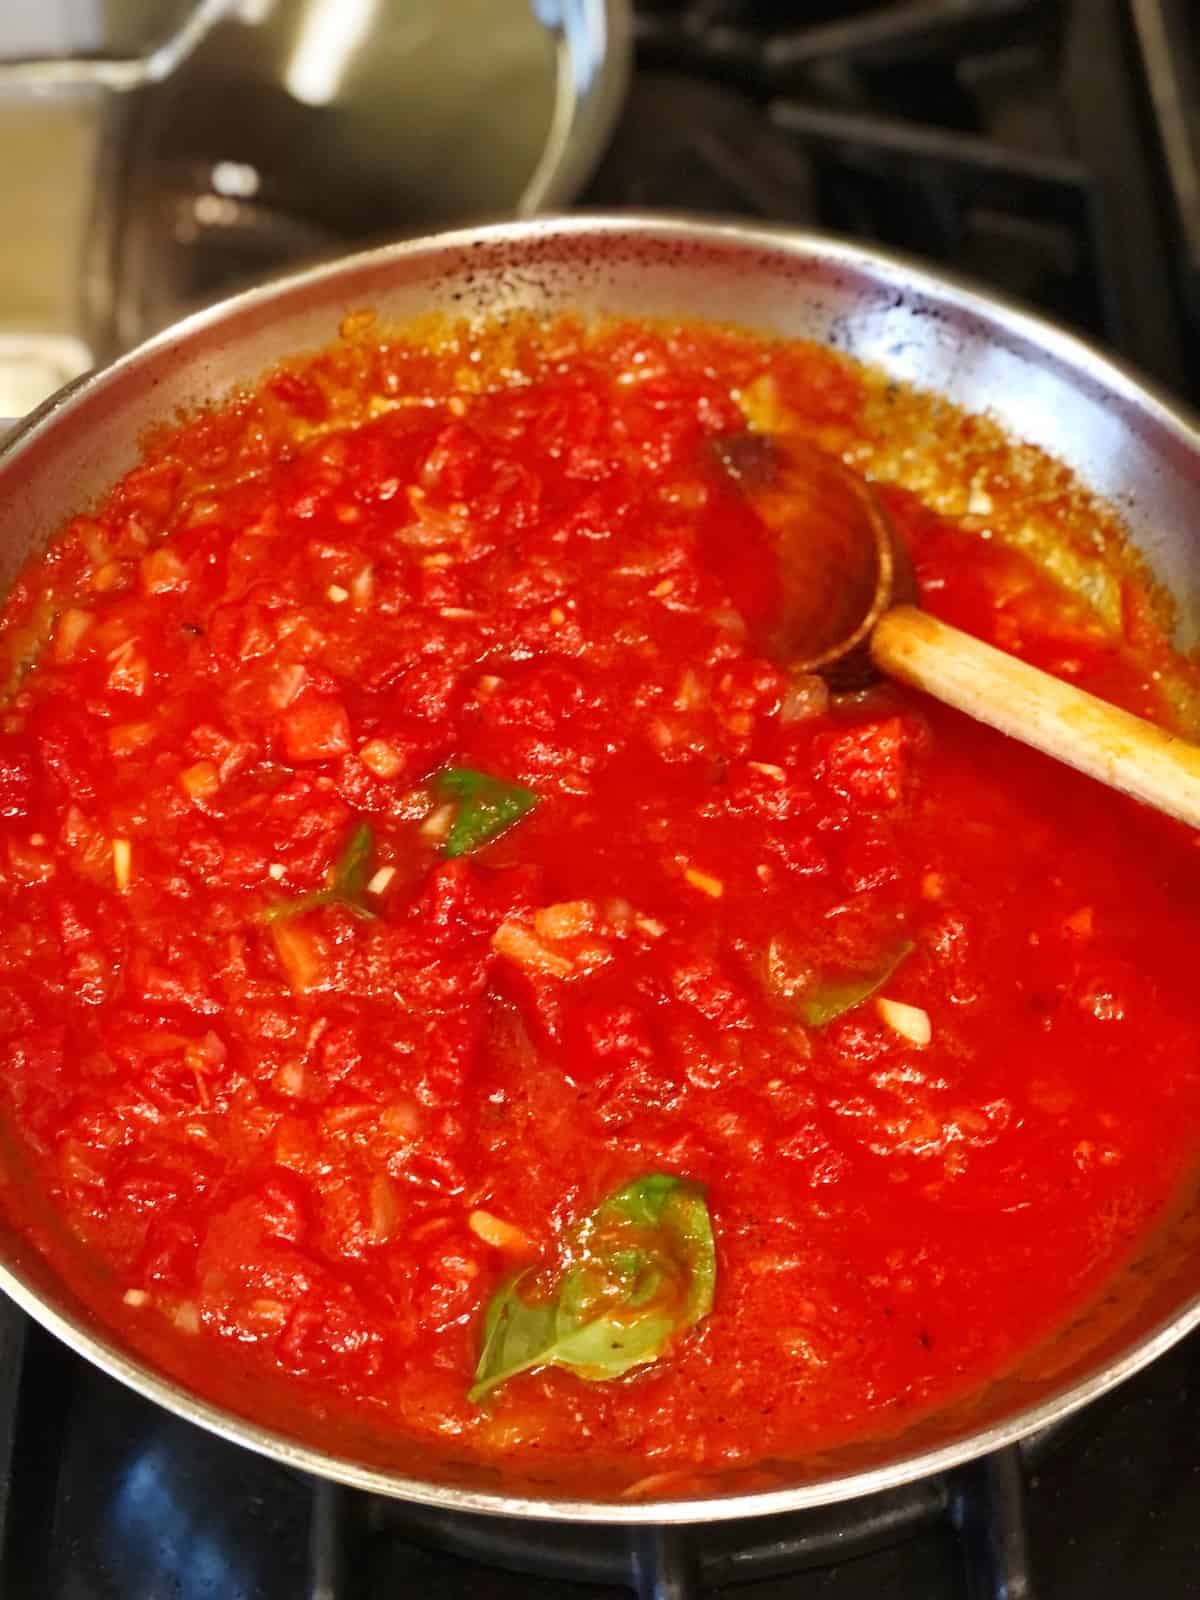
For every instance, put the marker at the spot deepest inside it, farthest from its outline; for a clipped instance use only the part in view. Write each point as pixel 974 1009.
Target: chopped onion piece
pixel 980 503
pixel 760 403
pixel 568 919
pixel 71 627
pixel 272 1312
pixel 437 823
pixel 402 1119
pixel 135 1297
pixel 381 758
pixel 730 621
pixel 289 1079
pixel 362 587
pixel 618 911
pixel 337 594
pixel 385 1208
pixel 122 860
pixel 299 954
pixel 380 880
pixel 186 1317
pixel 110 576
pixel 495 1231
pixel 705 882
pixel 131 736
pixel 131 671
pixel 910 1022
pixel 163 572
pixel 691 694
pixel 518 944
pixel 202 781
pixel 287 684
pixel 655 1484
pixel 807 696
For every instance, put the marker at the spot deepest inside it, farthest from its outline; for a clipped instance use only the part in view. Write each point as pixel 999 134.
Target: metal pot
pixel 1124 441
pixel 194 147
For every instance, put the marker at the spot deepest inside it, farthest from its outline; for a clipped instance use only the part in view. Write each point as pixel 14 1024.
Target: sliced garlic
pixel 910 1022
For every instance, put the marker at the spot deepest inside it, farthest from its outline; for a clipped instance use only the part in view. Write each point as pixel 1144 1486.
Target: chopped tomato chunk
pixel 866 763
pixel 316 730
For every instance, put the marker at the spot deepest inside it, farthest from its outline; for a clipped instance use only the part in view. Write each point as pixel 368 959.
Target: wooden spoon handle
pixel 1111 745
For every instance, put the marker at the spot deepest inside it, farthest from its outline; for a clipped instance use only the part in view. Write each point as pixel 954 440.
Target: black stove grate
pixel 103 1496
pixel 1170 48
pixel 1010 139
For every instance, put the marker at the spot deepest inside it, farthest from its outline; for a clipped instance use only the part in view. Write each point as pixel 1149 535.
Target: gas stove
pixel 104 1496
pixel 1048 148
pixel 1052 150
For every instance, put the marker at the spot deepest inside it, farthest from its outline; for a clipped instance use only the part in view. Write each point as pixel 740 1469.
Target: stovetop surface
pixel 104 1496
pixel 1023 142
pixel 1015 140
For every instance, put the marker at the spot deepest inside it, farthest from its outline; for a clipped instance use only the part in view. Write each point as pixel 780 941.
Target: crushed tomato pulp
pixel 914 1006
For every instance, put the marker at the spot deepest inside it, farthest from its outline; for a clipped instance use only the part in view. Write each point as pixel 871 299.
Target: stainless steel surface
pixel 166 155
pixel 1167 39
pixel 136 46
pixel 60 123
pixel 349 122
pixel 1126 442
pixel 52 156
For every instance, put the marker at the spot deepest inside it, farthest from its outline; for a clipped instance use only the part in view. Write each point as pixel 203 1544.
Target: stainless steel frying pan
pixel 1127 443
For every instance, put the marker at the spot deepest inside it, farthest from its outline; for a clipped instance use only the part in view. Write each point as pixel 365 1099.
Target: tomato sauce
pixel 313 1136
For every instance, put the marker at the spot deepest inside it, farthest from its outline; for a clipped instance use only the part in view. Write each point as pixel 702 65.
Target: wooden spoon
pixel 849 612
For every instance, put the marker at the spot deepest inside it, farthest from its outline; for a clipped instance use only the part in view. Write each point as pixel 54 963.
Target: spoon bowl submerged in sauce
pixel 848 612
pixel 840 563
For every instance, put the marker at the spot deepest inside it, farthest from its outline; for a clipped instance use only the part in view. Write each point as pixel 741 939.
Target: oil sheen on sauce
pixel 313 1145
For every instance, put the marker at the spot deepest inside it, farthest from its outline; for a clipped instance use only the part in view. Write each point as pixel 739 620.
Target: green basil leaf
pixel 347 882
pixel 825 1001
pixel 521 1336
pixel 489 807
pixel 609 1346
pixel 284 910
pixel 676 1207
pixel 352 868
pixel 644 1270
pixel 516 1336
